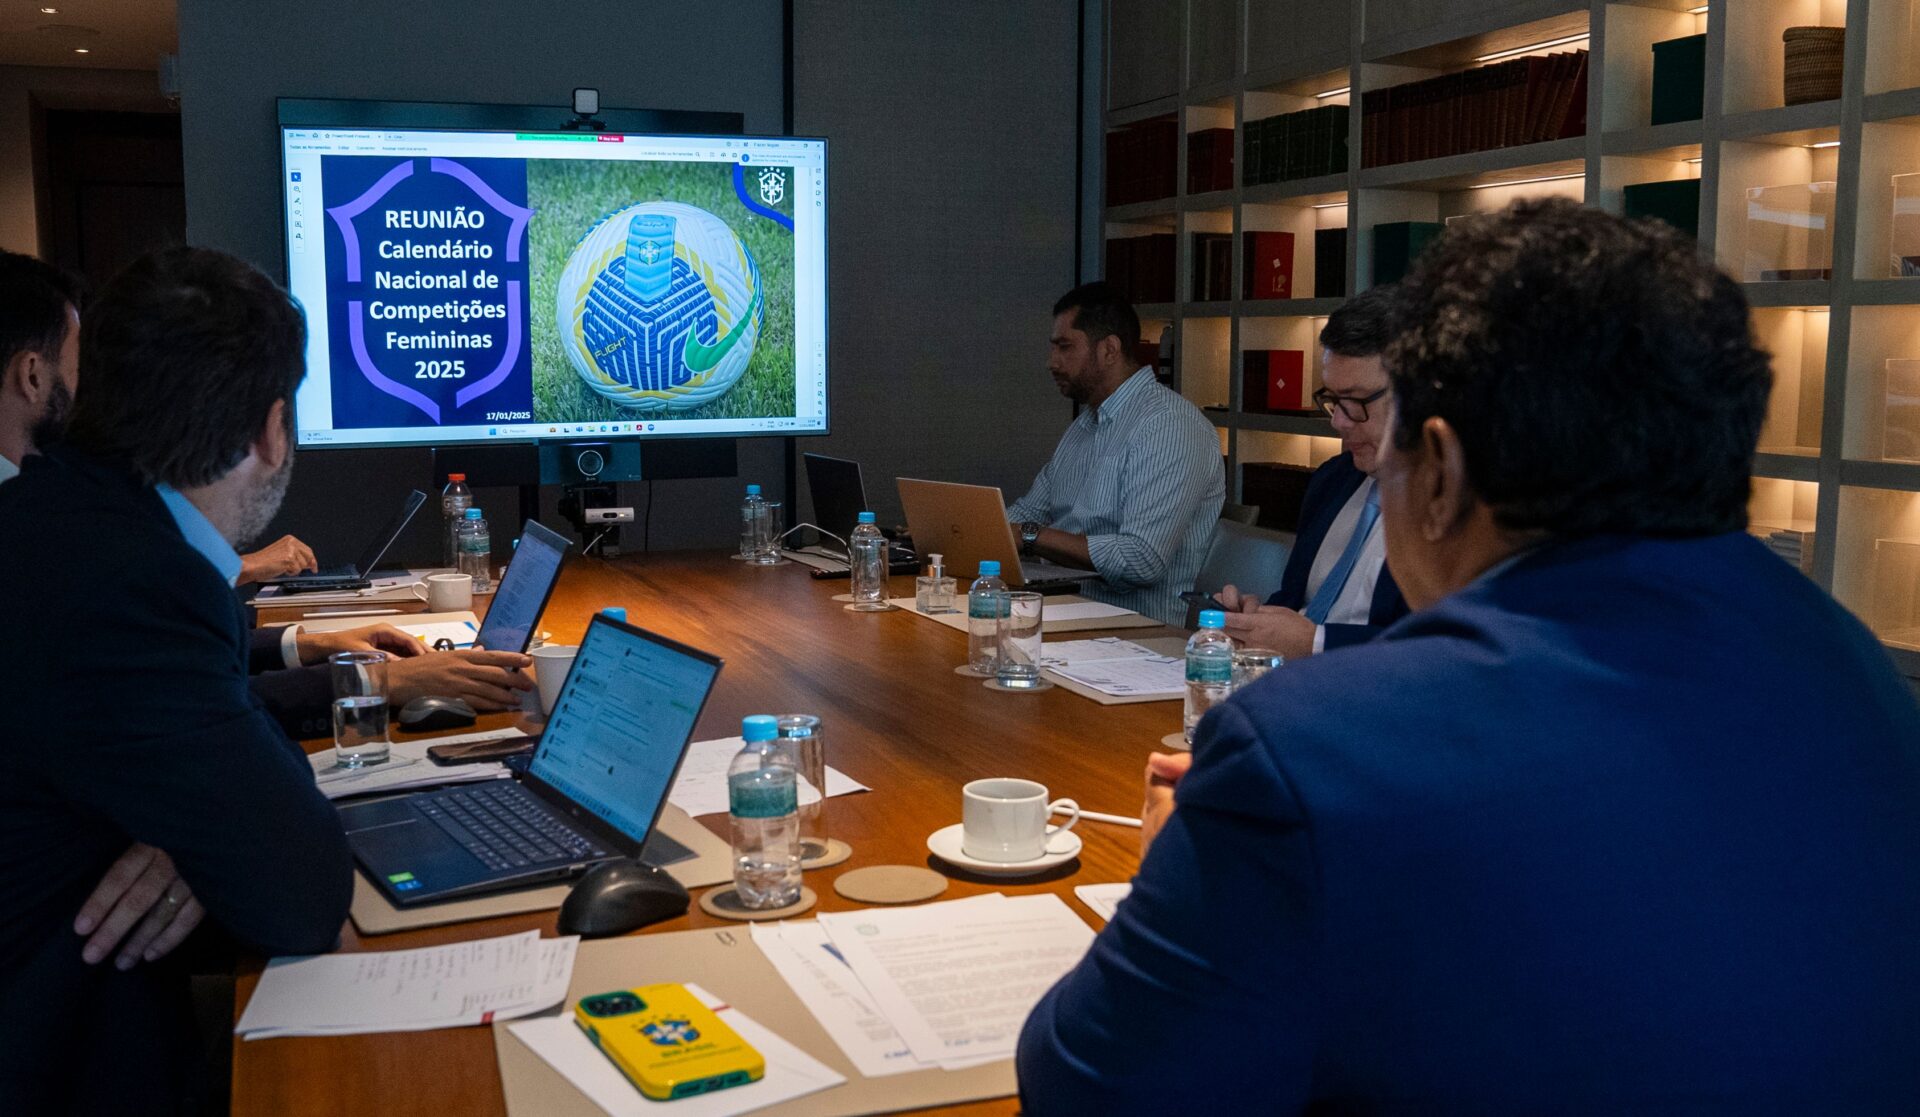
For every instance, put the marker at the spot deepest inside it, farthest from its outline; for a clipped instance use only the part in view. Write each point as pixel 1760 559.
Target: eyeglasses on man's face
pixel 1353 407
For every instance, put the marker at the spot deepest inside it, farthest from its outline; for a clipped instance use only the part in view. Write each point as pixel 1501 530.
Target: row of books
pixel 1142 267
pixel 1522 101
pixel 1140 161
pixel 1212 265
pixel 1209 160
pixel 1297 145
pixel 1273 381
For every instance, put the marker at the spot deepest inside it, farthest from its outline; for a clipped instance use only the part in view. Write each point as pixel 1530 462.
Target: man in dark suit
pixel 1622 819
pixel 134 722
pixel 1336 589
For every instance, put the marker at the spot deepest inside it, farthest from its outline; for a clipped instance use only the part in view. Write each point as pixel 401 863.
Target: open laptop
pixel 523 593
pixel 592 792
pixel 967 524
pixel 839 496
pixel 357 575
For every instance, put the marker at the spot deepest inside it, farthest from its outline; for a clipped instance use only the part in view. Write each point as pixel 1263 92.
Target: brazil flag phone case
pixel 666 1042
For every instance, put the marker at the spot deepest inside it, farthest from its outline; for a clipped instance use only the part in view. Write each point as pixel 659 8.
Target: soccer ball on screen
pixel 660 306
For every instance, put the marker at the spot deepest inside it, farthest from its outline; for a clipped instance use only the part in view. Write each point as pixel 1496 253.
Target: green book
pixel 1677 203
pixel 1679 79
pixel 1396 243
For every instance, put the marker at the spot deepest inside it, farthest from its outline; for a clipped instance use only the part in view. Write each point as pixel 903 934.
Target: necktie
pixel 1322 602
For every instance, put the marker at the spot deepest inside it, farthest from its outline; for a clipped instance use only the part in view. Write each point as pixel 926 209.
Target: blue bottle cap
pixel 753 490
pixel 759 727
pixel 473 513
pixel 989 569
pixel 866 517
pixel 1212 618
pixel 616 612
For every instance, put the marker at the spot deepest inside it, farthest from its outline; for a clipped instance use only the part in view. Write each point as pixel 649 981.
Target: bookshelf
pixel 1840 451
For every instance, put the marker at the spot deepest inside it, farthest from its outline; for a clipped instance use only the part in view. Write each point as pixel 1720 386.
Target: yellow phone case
pixel 666 1042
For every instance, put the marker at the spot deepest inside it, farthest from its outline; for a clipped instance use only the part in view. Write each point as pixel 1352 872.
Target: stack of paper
pixel 701 787
pixel 1104 899
pixel 943 985
pixel 791 1073
pixel 1117 667
pixel 410 990
pixel 407 767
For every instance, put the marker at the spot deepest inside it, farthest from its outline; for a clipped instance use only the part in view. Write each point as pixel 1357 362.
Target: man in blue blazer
pixel 134 724
pixel 1624 818
pixel 1336 589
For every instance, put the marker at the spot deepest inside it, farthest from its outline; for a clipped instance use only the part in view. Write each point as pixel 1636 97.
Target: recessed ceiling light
pixel 49 11
pixel 81 50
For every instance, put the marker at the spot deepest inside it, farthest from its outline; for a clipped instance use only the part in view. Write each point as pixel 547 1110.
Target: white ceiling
pixel 118 34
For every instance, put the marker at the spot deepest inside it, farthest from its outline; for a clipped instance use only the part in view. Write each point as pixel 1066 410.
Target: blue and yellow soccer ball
pixel 660 306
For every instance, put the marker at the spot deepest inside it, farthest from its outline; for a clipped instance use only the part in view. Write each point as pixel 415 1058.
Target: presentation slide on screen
pixel 476 286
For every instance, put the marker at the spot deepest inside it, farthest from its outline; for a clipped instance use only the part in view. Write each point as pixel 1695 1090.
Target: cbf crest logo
pixel 671 1033
pixel 773 186
pixel 660 307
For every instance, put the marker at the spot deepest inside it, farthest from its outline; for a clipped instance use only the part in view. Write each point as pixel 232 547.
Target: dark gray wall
pixel 952 175
pixel 952 155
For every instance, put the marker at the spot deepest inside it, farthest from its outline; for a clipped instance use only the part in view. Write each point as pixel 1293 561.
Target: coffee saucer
pixel 1062 847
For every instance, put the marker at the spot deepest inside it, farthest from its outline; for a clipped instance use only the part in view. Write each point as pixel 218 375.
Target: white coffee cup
pixel 551 662
pixel 446 593
pixel 1005 819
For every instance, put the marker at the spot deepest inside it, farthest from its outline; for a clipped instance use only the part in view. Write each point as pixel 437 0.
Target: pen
pixel 1096 816
pixel 351 613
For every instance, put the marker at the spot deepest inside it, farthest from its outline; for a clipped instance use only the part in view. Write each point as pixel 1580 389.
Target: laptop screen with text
pixel 622 722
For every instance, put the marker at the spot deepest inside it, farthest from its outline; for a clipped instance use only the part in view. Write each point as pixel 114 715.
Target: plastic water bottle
pixel 986 600
pixel 763 798
pixel 476 550
pixel 753 511
pixel 869 565
pixel 1209 668
pixel 455 499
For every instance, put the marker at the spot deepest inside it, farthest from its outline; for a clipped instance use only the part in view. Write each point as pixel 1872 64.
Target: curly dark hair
pixel 1600 373
pixel 182 357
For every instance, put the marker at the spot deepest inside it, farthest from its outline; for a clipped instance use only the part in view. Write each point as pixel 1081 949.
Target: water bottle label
pixel 986 606
pixel 1209 669
pixel 762 794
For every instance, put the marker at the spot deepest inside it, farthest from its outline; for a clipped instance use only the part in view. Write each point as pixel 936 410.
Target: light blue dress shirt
pixel 201 535
pixel 1141 477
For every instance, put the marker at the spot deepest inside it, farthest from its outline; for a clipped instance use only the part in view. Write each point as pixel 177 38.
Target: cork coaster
pixel 1036 688
pixel 832 853
pixel 1176 742
pixel 725 903
pixel 967 670
pixel 842 597
pixel 890 884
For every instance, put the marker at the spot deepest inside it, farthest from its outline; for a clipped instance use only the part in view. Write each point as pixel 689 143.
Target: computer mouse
pixel 435 712
pixel 615 897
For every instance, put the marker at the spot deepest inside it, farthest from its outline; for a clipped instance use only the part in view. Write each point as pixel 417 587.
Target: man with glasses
pixel 1336 589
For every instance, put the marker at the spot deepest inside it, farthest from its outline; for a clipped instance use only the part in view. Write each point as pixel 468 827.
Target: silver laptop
pixel 967 524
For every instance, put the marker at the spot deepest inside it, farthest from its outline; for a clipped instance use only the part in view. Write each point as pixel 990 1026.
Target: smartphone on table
pixel 666 1042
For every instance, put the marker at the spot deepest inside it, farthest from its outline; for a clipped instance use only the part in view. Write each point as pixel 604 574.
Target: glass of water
pixel 1250 664
pixel 803 734
pixel 766 551
pixel 359 708
pixel 1019 640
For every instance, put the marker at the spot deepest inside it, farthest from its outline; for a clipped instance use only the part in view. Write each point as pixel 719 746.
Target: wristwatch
pixel 1029 534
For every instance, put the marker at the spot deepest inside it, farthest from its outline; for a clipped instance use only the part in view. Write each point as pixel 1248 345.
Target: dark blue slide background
pixel 357 402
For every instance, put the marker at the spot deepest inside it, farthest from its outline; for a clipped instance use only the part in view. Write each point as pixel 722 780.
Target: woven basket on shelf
pixel 1813 63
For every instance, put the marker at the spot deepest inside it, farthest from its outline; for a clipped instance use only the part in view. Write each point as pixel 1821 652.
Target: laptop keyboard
pixel 503 825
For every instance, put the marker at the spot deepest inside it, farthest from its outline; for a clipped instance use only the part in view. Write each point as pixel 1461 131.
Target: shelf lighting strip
pixel 1342 91
pixel 1525 181
pixel 1518 51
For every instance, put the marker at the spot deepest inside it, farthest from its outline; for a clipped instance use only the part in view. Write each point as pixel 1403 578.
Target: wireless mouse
pixel 615 897
pixel 433 712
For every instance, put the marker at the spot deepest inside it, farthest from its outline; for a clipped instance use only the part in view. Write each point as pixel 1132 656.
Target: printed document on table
pixel 791 1072
pixel 1070 653
pixel 701 787
pixel 1084 611
pixel 410 990
pixel 1159 675
pixel 804 953
pixel 1102 898
pixel 957 981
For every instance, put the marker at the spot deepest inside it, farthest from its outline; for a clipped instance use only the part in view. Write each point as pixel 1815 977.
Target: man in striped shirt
pixel 1134 489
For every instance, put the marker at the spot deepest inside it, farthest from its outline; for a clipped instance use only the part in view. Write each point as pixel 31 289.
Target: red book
pixel 1273 380
pixel 1266 266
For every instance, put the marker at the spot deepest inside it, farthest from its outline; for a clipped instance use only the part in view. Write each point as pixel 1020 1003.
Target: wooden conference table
pixel 896 718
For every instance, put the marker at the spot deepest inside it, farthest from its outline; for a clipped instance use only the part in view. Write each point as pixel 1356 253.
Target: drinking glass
pixel 359 708
pixel 1019 640
pixel 803 733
